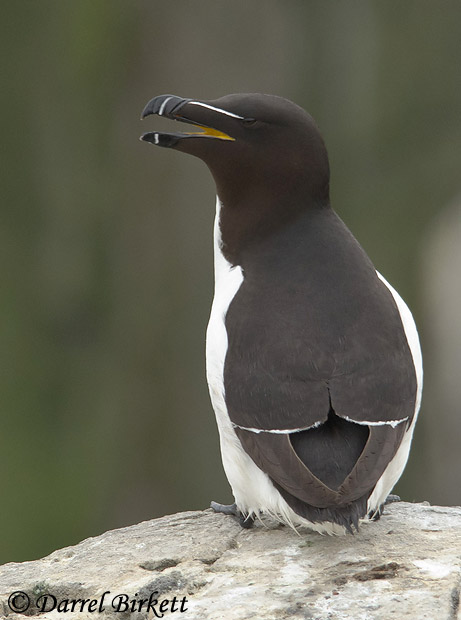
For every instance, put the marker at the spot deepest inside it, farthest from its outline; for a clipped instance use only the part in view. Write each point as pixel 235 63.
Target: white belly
pixel 252 488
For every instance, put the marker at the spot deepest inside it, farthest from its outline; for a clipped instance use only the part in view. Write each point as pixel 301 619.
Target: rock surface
pixel 202 565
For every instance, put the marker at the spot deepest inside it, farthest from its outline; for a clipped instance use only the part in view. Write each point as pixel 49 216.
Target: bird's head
pixel 265 153
pixel 249 141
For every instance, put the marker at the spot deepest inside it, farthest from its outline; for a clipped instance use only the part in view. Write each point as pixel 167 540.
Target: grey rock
pixel 202 565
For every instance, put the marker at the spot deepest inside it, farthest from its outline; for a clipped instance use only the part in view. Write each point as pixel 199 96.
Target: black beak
pixel 170 106
pixel 164 105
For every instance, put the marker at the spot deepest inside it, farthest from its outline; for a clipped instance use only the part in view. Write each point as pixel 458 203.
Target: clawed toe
pixel 231 509
pixel 226 509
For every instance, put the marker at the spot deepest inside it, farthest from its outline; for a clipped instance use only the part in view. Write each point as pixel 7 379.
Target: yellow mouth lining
pixel 208 131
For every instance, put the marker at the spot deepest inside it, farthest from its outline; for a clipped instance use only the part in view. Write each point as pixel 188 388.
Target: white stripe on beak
pixel 162 107
pixel 210 107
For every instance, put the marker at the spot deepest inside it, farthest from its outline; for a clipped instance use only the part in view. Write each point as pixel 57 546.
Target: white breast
pixel 246 479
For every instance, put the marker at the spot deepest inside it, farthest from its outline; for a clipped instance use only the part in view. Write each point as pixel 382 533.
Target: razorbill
pixel 313 360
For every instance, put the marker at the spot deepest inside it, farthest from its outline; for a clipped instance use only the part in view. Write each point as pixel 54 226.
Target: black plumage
pixel 318 382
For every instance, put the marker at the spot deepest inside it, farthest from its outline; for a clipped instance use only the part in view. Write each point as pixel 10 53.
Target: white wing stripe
pixel 286 431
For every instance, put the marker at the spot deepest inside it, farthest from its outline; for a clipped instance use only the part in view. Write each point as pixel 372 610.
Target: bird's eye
pixel 248 121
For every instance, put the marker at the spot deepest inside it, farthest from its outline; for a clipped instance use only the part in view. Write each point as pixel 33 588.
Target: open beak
pixel 171 106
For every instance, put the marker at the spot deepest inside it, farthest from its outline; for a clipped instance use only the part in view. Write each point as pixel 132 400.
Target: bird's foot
pixel 390 499
pixel 229 509
pixel 232 509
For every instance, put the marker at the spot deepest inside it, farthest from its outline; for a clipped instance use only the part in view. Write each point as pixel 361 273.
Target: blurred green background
pixel 106 262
